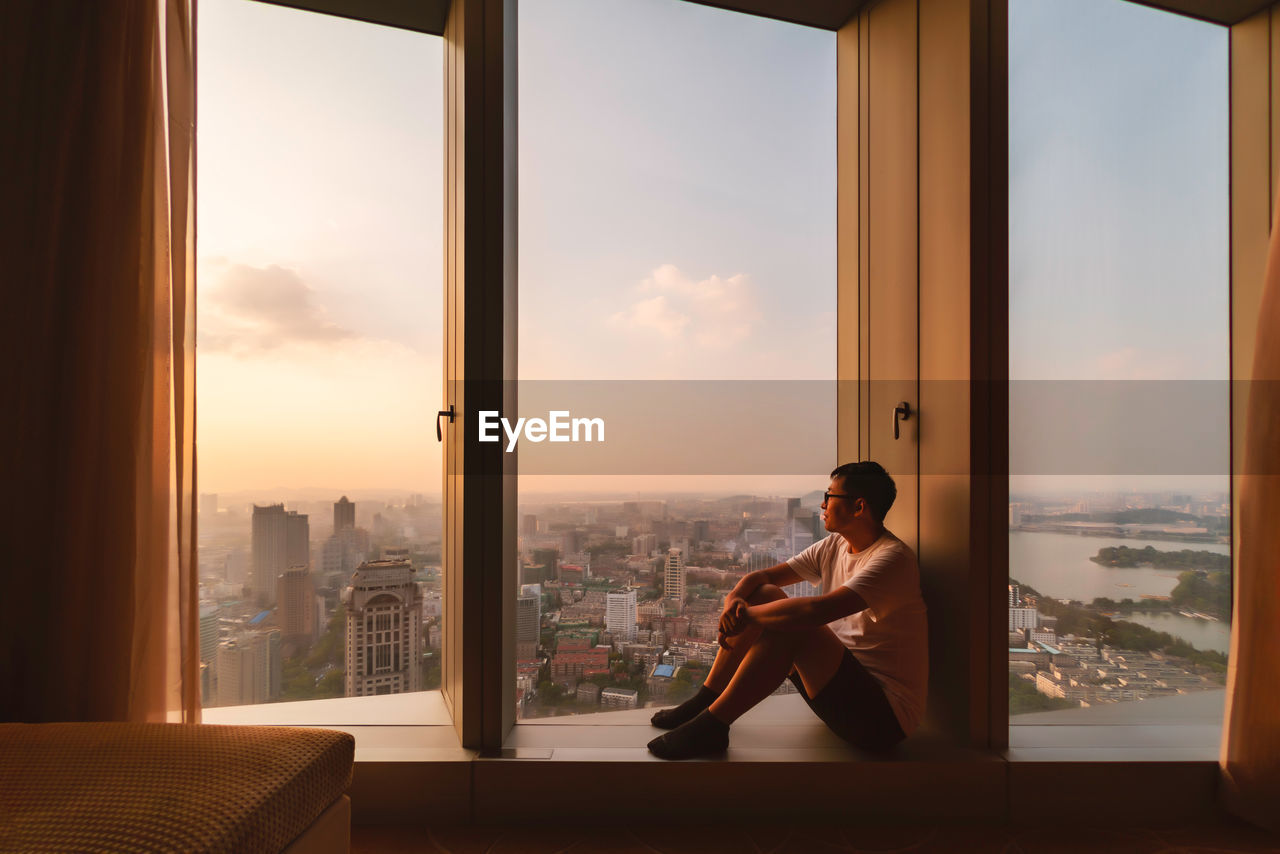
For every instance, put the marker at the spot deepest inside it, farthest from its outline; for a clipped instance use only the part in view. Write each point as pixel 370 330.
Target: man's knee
pixel 766 593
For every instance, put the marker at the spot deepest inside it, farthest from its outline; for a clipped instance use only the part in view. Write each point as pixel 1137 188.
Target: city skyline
pixel 618 600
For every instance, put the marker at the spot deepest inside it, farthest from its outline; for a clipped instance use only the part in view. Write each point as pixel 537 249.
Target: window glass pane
pixel 1119 544
pixel 319 348
pixel 677 279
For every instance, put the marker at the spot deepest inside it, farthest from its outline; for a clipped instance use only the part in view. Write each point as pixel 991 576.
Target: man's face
pixel 840 510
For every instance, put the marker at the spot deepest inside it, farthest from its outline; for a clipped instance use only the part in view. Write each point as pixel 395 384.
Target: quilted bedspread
pixel 165 787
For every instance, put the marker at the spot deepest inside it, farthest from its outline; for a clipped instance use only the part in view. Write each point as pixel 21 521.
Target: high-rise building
pixel 209 614
pixel 1023 618
pixel 529 525
pixel 296 601
pixel 528 621
pixel 701 531
pixel 340 554
pixel 673 576
pixel 644 544
pixel 208 505
pixel 384 629
pixel 571 542
pixel 280 540
pixel 344 514
pixel 250 669
pixel 620 615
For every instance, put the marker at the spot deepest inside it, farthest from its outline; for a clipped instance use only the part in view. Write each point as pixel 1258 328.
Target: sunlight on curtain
pixel 1251 739
pixel 98 346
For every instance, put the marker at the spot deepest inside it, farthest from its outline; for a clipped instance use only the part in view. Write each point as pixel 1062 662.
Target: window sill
pixel 391 728
pixel 1186 728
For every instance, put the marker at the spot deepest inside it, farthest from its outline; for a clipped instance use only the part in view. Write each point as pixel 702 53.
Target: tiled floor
pixel 653 838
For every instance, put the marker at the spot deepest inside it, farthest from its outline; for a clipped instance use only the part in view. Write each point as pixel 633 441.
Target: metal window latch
pixel 448 413
pixel 901 412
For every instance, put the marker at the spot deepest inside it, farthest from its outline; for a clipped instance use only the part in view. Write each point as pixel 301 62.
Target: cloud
pixel 655 314
pixel 257 309
pixel 713 313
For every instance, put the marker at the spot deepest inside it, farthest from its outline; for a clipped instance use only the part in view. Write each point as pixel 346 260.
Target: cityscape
pixel 1113 597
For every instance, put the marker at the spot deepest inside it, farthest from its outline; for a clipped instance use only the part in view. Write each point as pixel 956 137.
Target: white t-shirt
pixel 890 638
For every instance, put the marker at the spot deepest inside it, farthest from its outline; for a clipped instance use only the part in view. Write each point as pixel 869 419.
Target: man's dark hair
pixel 870 482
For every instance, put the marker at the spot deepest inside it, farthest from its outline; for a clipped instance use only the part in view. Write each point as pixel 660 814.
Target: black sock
pixel 686 711
pixel 705 735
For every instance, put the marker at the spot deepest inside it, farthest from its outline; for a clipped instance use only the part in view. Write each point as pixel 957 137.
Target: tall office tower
pixel 529 525
pixel 344 514
pixel 798 534
pixel 701 531
pixel 644 544
pixel 571 542
pixel 793 507
pixel 250 669
pixel 298 530
pixel 673 576
pixel 620 615
pixel 208 505
pixel 209 614
pixel 528 621
pixel 340 554
pixel 296 601
pixel 384 629
pixel 280 540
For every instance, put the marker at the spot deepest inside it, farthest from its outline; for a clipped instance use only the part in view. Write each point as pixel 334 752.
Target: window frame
pixel 479 488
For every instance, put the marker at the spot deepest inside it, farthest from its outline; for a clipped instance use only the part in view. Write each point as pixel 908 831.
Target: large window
pixel 319 259
pixel 1119 543
pixel 677 280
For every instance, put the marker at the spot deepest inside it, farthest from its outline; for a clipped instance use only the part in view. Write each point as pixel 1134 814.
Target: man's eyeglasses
pixel 827 496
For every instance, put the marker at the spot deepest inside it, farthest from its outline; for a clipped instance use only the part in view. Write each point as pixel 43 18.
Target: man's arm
pixel 780 576
pixel 804 612
pixel 736 604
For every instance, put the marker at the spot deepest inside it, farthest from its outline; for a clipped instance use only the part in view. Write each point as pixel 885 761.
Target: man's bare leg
pixel 726 663
pixel 815 653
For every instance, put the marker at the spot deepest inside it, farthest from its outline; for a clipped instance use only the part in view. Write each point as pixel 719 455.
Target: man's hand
pixel 734 619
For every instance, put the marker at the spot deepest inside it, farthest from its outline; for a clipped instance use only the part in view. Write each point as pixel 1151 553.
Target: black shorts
pixel 854 707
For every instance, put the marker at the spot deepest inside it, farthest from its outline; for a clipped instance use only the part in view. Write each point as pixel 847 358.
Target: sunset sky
pixel 677 217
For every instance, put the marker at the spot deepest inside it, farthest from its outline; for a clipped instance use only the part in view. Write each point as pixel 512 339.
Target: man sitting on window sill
pixel 858 653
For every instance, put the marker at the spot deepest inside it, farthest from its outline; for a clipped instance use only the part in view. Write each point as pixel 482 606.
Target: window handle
pixel 901 412
pixel 448 413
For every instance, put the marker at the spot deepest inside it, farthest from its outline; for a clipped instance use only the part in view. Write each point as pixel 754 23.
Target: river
pixel 1058 566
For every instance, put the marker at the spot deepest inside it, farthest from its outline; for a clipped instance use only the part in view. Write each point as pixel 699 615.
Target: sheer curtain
pixel 1251 739
pixel 97 344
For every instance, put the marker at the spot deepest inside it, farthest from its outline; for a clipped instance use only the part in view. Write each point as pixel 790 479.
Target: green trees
pixel 1209 592
pixel 331 647
pixel 1123 556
